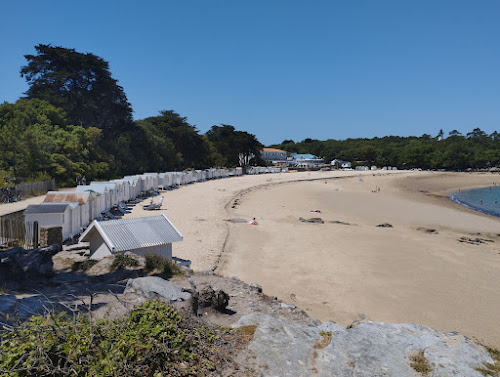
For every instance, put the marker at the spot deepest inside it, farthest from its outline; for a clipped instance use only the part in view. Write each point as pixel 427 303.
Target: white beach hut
pixel 85 200
pixel 48 215
pixel 142 236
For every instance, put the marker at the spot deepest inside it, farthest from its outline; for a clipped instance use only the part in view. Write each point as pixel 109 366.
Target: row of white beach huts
pixel 74 210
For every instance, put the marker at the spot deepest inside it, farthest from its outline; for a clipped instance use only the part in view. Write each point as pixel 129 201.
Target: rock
pixel 384 225
pixel 474 241
pixel 312 220
pixel 370 349
pixel 154 287
pixel 7 303
pixel 427 230
pixel 255 288
pixel 18 261
pixel 217 299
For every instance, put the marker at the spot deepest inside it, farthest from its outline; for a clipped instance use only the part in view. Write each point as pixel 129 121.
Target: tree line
pixel 475 150
pixel 76 120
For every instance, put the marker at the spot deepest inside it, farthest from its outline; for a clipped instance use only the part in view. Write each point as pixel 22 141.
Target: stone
pixel 215 298
pixel 17 261
pixel 370 349
pixel 312 220
pixel 384 225
pixel 255 288
pixel 7 303
pixel 153 287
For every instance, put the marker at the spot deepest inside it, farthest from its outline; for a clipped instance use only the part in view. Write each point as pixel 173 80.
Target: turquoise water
pixel 481 199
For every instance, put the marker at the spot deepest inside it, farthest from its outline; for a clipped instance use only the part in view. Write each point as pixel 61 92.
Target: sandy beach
pixel 438 265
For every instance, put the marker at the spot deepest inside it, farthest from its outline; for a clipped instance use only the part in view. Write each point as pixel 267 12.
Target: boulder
pixel 153 287
pixel 18 261
pixel 217 299
pixel 369 349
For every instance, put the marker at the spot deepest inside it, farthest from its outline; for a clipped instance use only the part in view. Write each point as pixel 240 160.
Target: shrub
pixel 84 265
pixel 152 340
pixel 161 266
pixel 123 261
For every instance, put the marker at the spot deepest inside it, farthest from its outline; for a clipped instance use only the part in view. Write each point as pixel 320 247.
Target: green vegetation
pixel 491 369
pixel 456 152
pixel 326 338
pixel 420 364
pixel 153 340
pixel 162 266
pixel 123 261
pixel 76 120
pixel 84 266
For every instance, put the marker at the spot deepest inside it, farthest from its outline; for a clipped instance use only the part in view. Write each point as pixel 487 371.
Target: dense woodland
pixel 475 150
pixel 76 120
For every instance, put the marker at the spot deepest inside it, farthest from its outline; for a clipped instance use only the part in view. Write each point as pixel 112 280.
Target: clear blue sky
pixel 281 69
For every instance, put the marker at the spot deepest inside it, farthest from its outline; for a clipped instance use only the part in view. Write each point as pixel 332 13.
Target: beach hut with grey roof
pixel 50 215
pixel 143 236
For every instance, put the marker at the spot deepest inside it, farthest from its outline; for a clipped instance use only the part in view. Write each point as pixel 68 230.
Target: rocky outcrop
pixel 214 298
pixel 369 349
pixel 153 287
pixel 19 262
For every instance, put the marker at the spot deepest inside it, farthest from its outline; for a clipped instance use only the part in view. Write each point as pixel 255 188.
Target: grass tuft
pixel 326 338
pixel 161 266
pixel 420 364
pixel 84 266
pixel 247 333
pixel 491 369
pixel 122 261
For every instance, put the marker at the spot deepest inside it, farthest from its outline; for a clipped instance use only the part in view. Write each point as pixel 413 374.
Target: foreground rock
pixel 19 262
pixel 369 349
pixel 153 287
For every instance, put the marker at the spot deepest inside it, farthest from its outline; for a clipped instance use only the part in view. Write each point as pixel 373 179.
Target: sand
pixel 344 272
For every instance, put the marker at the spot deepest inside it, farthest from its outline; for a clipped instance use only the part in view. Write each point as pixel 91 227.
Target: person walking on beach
pixel 78 180
pixel 84 181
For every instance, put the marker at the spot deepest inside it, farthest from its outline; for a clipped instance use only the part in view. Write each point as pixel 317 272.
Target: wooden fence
pixel 36 188
pixel 12 230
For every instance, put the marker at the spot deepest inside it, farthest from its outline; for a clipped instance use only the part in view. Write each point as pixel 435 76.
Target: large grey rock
pixel 7 303
pixel 155 287
pixel 18 261
pixel 368 350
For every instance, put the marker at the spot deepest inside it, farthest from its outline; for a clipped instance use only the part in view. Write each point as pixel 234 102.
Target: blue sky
pixel 281 69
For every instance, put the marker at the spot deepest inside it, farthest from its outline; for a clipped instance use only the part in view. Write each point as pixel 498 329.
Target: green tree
pixel 80 84
pixel 235 146
pixel 191 148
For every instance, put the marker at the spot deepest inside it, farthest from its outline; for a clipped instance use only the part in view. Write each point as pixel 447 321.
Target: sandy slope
pixel 344 272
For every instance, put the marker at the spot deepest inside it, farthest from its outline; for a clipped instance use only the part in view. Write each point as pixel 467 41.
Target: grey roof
pixel 46 208
pixel 128 234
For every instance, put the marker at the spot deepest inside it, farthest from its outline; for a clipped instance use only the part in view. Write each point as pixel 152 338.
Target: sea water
pixel 485 199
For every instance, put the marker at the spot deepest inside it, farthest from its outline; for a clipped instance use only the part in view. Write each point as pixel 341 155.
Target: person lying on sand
pixel 253 222
pixel 315 211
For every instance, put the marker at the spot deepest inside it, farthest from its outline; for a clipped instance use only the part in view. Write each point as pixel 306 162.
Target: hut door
pixel 35 234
